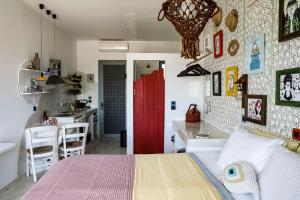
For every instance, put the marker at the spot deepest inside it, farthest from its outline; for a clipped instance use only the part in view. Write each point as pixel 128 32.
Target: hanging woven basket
pixel 189 18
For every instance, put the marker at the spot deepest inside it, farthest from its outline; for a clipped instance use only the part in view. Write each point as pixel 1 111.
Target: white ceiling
pixel 111 19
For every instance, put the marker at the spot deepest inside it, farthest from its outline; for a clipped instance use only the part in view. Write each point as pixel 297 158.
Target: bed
pixel 193 176
pixel 120 177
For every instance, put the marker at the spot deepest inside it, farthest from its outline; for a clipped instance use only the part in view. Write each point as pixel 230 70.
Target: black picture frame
pixel 217 75
pixel 282 36
pixel 262 120
pixel 278 93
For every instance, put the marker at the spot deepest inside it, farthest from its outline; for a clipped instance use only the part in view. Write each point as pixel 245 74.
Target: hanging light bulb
pixel 41 6
pixel 54 27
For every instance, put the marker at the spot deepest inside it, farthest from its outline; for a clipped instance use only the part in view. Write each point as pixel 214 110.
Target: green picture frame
pixel 288 87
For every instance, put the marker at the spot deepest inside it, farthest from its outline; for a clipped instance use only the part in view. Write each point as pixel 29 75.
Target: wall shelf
pixel 34 93
pixel 24 83
pixel 39 71
pixel 32 70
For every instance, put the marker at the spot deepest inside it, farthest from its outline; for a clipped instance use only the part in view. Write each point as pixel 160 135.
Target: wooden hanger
pixel 194 70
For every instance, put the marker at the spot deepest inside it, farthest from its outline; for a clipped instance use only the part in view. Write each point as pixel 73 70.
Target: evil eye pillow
pixel 240 178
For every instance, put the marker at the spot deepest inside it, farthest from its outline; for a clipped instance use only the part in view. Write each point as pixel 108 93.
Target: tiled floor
pixel 20 186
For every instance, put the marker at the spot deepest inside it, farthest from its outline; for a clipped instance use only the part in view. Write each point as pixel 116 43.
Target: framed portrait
pixel 255 54
pixel 231 78
pixel 256 109
pixel 218 44
pixel 289 19
pixel 217 90
pixel 207 43
pixel 288 87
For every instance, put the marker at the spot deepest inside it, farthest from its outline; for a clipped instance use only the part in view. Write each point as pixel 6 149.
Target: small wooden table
pixel 190 136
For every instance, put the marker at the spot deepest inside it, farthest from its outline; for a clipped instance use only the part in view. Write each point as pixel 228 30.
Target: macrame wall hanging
pixel 189 18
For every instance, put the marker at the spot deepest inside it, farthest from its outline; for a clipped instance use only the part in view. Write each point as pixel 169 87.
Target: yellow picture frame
pixel 231 78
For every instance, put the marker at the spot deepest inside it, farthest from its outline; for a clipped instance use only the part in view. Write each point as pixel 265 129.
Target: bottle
pixel 45 118
pixel 42 77
pixel 36 62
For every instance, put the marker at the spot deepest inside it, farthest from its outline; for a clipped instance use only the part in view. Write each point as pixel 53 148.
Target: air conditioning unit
pixel 112 46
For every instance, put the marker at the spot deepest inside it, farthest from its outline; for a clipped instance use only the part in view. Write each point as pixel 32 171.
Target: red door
pixel 149 100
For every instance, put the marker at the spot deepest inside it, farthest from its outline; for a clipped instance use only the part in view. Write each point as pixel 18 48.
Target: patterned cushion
pixel 240 178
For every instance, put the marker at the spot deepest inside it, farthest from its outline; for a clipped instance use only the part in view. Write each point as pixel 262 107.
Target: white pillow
pixel 243 146
pixel 240 178
pixel 280 178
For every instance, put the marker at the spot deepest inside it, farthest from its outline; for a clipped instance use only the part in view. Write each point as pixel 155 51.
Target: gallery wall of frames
pixel 270 57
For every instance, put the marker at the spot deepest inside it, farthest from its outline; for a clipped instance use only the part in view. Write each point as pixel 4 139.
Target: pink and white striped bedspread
pixel 88 177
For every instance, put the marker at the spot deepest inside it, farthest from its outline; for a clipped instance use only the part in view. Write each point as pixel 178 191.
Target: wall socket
pixel 173 105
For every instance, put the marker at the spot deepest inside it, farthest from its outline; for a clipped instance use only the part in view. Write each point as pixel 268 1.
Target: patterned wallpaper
pixel 226 112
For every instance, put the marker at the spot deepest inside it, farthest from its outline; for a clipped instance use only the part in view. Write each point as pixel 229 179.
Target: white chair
pixel 41 148
pixel 74 139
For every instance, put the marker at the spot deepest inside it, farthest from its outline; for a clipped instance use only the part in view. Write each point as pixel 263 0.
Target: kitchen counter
pixel 77 114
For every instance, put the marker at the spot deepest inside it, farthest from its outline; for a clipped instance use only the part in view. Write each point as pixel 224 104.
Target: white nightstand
pixel 190 136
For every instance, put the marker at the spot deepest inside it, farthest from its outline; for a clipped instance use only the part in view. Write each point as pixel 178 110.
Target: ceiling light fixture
pixel 41 6
pixel 54 16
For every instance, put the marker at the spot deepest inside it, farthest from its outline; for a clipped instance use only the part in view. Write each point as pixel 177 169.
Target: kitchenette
pixel 55 98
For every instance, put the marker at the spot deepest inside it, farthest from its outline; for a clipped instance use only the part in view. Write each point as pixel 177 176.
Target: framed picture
pixel 289 19
pixel 207 43
pixel 256 109
pixel 217 90
pixel 255 54
pixel 288 87
pixel 218 44
pixel 231 78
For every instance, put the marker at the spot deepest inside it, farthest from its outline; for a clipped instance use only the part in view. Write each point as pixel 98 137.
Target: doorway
pixel 112 98
pixel 149 104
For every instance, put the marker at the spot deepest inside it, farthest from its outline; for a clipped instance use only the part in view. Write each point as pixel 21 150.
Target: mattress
pixel 209 159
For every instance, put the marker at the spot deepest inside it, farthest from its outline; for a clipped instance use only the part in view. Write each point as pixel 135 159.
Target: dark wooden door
pixel 114 98
pixel 149 99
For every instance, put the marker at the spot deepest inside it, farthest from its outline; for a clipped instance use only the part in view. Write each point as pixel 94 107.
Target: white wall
pixel 185 91
pixel 143 67
pixel 20 39
pixel 88 57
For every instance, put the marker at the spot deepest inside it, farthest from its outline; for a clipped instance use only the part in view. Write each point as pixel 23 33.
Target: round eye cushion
pixel 240 178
